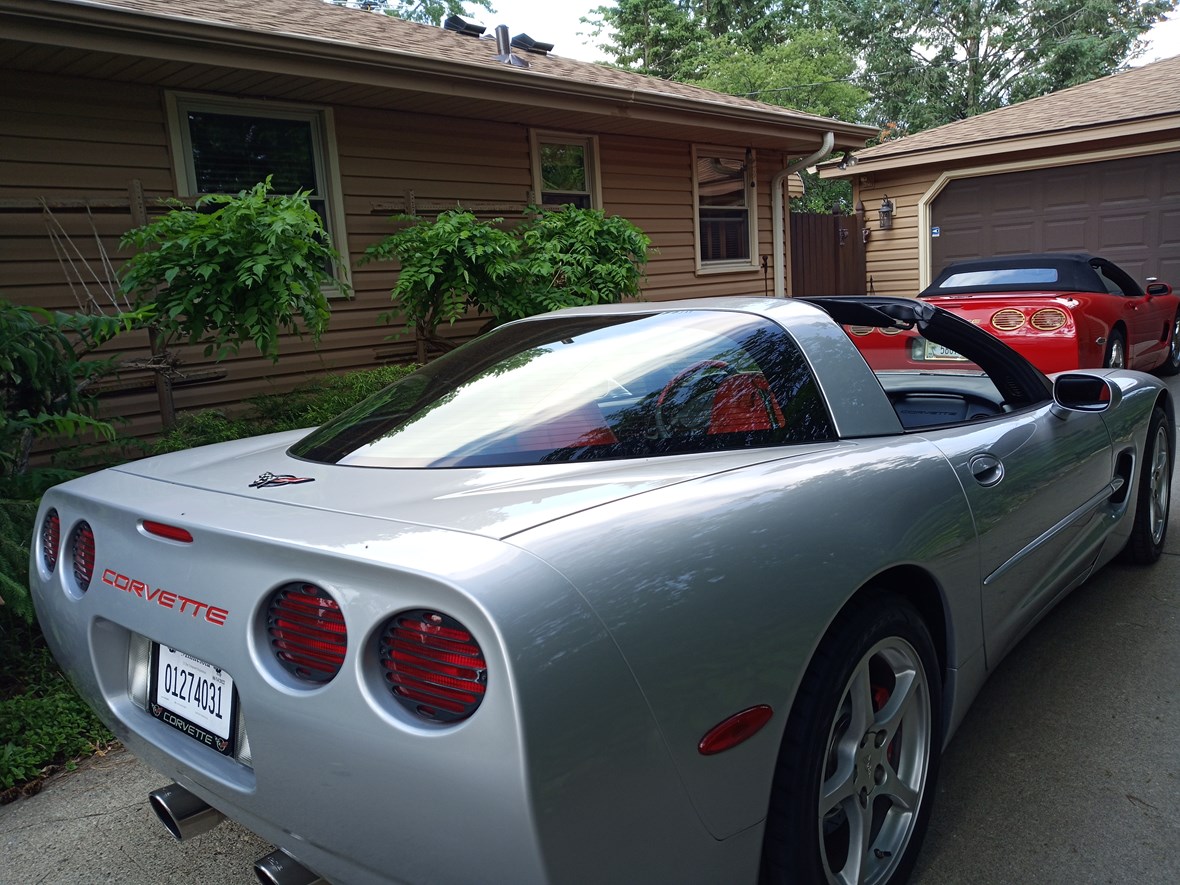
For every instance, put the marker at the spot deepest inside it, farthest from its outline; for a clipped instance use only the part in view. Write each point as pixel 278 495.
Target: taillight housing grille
pixel 82 552
pixel 50 539
pixel 1049 319
pixel 433 666
pixel 307 632
pixel 1008 320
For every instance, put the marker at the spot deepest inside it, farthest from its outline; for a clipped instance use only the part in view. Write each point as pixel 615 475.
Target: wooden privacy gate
pixel 827 255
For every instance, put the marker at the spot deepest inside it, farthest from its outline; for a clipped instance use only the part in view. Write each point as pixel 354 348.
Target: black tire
pixel 1171 364
pixel 1153 502
pixel 1116 351
pixel 889 770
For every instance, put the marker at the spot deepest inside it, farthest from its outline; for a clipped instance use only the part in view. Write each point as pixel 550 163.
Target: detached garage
pixel 1093 168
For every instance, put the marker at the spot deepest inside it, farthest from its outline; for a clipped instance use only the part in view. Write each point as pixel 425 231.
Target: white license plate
pixel 938 352
pixel 193 696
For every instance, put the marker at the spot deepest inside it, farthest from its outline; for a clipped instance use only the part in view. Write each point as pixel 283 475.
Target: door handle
pixel 987 469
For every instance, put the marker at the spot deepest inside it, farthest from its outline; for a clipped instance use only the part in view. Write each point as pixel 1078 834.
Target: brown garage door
pixel 1125 210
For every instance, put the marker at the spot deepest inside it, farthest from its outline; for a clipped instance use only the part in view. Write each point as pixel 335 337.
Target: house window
pixel 230 146
pixel 565 170
pixel 726 223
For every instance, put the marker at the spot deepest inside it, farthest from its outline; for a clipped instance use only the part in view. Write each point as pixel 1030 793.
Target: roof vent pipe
pixel 504 53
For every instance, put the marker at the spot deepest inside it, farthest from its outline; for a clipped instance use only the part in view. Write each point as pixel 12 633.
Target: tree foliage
pixel 554 258
pixel 929 62
pixel 427 12
pixel 234 268
pixel 920 63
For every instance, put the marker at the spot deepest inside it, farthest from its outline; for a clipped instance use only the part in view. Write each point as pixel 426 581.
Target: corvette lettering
pixel 166 598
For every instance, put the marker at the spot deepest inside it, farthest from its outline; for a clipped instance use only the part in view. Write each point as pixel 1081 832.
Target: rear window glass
pixel 585 388
pixel 1008 276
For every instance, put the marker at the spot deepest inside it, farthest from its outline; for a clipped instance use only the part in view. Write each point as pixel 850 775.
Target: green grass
pixel 44 725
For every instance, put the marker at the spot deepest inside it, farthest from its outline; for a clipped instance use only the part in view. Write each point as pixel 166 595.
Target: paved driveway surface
pixel 1066 770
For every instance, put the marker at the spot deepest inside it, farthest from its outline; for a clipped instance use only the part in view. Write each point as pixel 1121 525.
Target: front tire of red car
pixel 1171 364
pixel 854 784
pixel 1116 351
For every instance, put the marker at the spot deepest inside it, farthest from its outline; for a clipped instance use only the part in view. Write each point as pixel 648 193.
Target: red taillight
pixel 82 551
pixel 307 632
pixel 50 539
pixel 433 665
pixel 1049 319
pixel 171 532
pixel 1008 320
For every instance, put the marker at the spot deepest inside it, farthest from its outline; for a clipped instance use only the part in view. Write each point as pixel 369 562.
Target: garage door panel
pixel 1126 210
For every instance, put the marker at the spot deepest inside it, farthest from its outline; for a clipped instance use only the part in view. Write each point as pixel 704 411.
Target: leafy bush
pixel 244 271
pixel 309 405
pixel 555 258
pixel 44 376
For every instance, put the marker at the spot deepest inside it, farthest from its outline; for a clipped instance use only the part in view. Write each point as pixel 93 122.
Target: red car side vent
pixel 307 632
pixel 433 666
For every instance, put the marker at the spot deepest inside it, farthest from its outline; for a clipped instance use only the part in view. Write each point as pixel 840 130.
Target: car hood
pixel 492 501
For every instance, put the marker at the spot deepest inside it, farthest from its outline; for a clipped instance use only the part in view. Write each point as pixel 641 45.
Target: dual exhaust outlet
pixel 185 815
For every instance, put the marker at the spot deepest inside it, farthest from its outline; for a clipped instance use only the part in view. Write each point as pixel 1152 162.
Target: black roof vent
pixel 528 44
pixel 462 26
pixel 504 51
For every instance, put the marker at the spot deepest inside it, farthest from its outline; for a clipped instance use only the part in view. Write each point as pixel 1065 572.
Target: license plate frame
pixel 938 353
pixel 194 697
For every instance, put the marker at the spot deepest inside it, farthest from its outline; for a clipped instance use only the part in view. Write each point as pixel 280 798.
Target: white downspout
pixel 778 207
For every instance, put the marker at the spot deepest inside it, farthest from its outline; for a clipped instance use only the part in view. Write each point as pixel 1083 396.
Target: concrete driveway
pixel 1066 769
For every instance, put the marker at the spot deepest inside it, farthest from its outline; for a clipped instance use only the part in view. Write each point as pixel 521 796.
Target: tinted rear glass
pixel 585 388
pixel 1031 276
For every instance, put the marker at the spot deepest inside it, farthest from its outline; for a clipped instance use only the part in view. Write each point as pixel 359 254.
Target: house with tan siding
pixel 1092 168
pixel 111 105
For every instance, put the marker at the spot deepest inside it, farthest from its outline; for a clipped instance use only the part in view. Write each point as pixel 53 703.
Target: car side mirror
pixel 1159 289
pixel 1083 393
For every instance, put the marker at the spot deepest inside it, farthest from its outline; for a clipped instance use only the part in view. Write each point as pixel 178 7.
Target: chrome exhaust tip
pixel 279 868
pixel 182 813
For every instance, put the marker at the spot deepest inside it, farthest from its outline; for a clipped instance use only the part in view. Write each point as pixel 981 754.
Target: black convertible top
pixel 1040 272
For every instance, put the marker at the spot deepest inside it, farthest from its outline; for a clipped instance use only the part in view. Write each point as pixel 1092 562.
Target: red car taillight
pixel 433 666
pixel 307 632
pixel 82 551
pixel 1049 319
pixel 1008 320
pixel 50 539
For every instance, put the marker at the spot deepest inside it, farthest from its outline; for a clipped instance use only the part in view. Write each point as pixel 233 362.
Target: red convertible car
pixel 1060 311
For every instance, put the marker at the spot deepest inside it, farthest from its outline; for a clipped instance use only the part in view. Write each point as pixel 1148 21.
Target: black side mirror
pixel 1084 393
pixel 1159 289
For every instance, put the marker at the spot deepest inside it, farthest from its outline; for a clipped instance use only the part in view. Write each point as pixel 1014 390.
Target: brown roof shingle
pixel 1136 94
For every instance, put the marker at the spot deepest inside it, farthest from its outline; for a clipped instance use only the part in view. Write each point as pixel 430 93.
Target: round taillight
pixel 307 632
pixel 1008 320
pixel 890 330
pixel 1049 319
pixel 50 539
pixel 82 551
pixel 859 330
pixel 433 666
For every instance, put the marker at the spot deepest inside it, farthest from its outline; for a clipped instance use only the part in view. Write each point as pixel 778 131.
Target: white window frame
pixel 746 156
pixel 538 137
pixel 327 163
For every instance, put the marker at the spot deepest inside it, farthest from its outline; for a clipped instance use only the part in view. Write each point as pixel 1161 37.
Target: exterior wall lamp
pixel 885 214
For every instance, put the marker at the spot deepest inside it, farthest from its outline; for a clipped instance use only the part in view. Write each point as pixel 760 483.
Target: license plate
pixel 938 352
pixel 195 697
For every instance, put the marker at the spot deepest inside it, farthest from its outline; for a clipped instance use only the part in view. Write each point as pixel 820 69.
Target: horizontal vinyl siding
pixel 891 256
pixel 69 139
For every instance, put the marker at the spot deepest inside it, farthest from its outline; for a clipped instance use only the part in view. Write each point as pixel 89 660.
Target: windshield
pixel 585 388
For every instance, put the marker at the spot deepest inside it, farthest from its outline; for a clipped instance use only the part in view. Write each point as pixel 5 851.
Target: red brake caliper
pixel 880 699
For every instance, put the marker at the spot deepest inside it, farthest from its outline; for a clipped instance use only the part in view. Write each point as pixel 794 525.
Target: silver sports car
pixel 680 592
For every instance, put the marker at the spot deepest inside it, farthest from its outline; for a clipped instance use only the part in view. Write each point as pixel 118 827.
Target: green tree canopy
pixel 427 12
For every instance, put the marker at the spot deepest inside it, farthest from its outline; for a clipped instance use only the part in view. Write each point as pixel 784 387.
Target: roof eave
pixel 83 24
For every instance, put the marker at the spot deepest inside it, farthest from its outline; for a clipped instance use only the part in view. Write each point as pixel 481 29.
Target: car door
pixel 1036 482
pixel 1148 319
